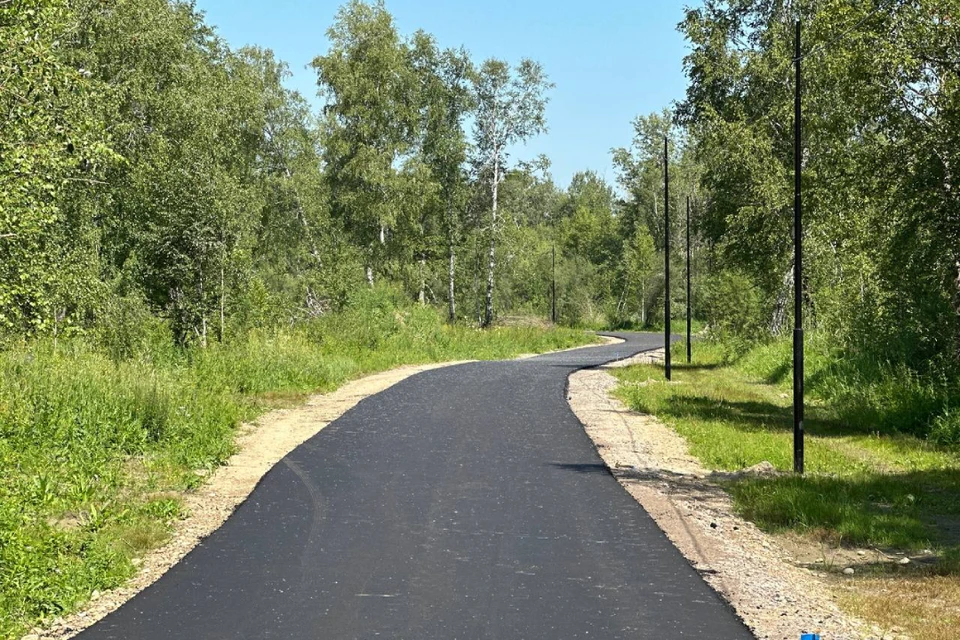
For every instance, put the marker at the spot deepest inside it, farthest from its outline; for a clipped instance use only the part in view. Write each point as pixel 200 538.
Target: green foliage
pixel 370 122
pixel 879 116
pixel 732 304
pixel 52 152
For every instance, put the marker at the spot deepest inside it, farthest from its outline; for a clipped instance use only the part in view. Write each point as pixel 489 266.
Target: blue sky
pixel 610 60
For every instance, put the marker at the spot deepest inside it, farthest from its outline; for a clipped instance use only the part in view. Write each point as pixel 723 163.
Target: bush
pixel 732 307
pixel 126 328
pixel 945 430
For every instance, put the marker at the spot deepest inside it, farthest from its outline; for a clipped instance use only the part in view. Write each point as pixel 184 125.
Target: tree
pixel 639 265
pixel 446 100
pixel 54 150
pixel 511 107
pixel 370 122
pixel 880 133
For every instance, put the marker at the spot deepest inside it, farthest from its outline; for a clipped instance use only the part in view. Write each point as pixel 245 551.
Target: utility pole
pixel 797 272
pixel 553 288
pixel 689 332
pixel 666 257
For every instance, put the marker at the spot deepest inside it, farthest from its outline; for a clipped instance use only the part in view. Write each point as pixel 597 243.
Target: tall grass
pixel 874 475
pixel 866 393
pixel 92 445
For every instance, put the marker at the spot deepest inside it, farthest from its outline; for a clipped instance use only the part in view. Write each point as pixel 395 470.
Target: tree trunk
pixel 422 296
pixel 222 301
pixel 302 217
pixel 956 305
pixel 475 290
pixel 780 308
pixel 370 275
pixel 451 275
pixel 643 304
pixel 488 308
pixel 203 314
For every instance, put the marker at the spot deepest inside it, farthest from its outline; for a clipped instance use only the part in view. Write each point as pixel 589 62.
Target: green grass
pixel 868 482
pixel 94 450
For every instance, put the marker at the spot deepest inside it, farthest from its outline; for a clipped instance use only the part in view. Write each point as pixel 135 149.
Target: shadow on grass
pixel 759 416
pixel 683 366
pixel 896 511
pixel 892 513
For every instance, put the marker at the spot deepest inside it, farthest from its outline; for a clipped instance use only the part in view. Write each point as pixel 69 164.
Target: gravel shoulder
pixel 775 598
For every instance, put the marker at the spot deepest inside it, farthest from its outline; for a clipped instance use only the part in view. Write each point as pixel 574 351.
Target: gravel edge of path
pixel 776 599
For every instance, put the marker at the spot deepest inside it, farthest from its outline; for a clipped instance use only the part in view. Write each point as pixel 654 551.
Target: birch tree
pixel 446 99
pixel 369 124
pixel 511 105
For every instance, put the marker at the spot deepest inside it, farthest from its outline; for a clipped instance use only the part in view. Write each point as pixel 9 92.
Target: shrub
pixel 732 307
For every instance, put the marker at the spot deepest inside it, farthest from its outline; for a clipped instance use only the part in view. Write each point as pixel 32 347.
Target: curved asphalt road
pixel 465 502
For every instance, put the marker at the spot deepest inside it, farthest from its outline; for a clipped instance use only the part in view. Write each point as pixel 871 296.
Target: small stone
pixel 764 468
pixel 904 561
pixel 861 553
pixel 713 525
pixel 95 595
pixel 849 571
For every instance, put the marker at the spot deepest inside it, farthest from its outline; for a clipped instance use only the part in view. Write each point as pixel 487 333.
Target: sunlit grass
pixel 862 486
pixel 88 443
pixel 873 479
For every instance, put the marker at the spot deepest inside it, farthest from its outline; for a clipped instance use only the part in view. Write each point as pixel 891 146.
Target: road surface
pixel 462 503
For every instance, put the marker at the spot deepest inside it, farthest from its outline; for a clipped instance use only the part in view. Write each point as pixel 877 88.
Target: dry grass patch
pixel 923 607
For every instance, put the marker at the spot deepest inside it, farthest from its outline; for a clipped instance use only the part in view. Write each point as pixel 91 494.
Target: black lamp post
pixel 666 257
pixel 797 273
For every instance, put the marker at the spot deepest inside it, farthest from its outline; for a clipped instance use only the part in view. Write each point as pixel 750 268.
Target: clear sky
pixel 610 60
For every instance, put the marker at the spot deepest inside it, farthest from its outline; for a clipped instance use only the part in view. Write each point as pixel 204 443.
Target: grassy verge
pixel 869 484
pixel 95 450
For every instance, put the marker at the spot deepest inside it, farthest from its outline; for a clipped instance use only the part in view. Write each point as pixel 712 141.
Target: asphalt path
pixel 465 502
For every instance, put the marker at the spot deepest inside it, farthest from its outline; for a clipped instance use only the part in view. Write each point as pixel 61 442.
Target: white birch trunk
pixel 422 297
pixel 488 309
pixel 451 275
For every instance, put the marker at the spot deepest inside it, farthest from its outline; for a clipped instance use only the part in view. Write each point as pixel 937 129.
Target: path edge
pixel 743 565
pixel 260 445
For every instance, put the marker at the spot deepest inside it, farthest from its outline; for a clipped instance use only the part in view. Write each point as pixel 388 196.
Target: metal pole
pixel 666 257
pixel 797 274
pixel 689 346
pixel 553 288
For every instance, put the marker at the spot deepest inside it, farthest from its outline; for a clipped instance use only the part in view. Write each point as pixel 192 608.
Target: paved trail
pixel 466 503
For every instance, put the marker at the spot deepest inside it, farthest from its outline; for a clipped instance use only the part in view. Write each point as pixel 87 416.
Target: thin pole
pixel 553 288
pixel 797 274
pixel 666 257
pixel 689 346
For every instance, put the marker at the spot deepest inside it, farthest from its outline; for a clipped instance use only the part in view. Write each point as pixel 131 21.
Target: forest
pixel 181 235
pixel 152 174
